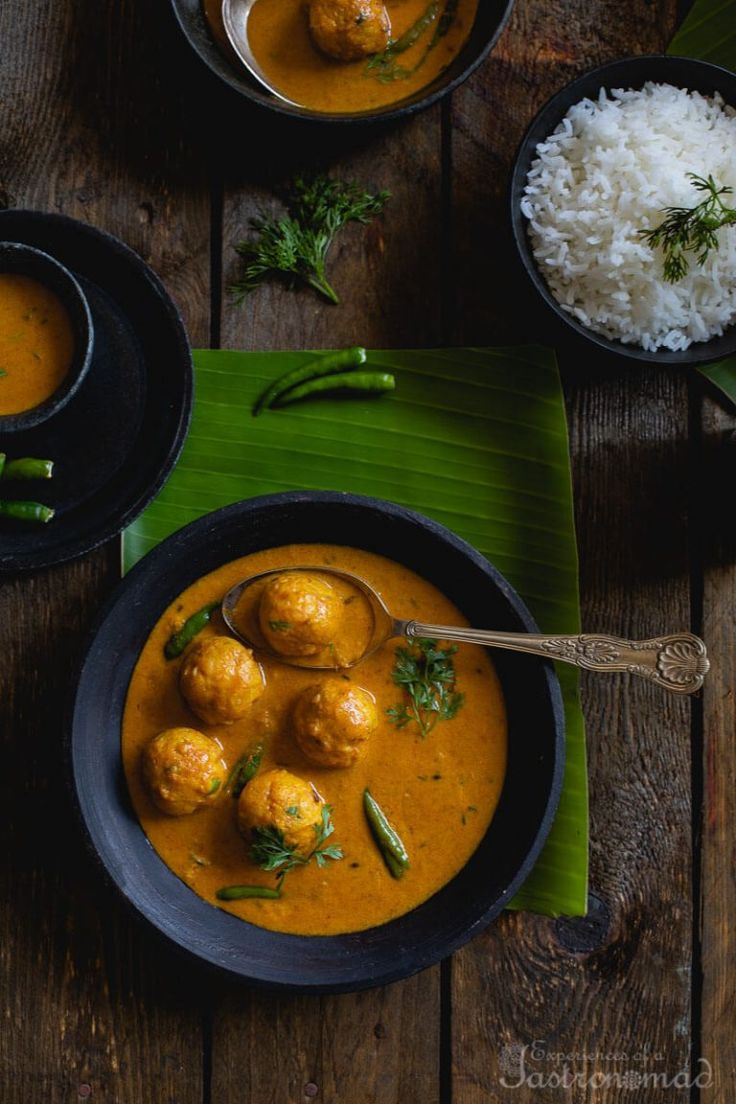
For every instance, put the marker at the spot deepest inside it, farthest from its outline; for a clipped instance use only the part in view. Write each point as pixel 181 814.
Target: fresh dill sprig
pixel 270 851
pixel 691 229
pixel 426 673
pixel 294 246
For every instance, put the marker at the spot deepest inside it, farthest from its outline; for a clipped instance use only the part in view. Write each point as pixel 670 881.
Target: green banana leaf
pixel 723 375
pixel 475 438
pixel 709 34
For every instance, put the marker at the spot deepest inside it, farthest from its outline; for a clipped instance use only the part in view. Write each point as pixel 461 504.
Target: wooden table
pixel 101 118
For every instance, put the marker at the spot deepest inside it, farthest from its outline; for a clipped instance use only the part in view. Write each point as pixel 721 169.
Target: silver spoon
pixel 235 14
pixel 677 662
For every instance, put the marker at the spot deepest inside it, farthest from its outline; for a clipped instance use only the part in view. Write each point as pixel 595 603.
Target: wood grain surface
pixel 104 117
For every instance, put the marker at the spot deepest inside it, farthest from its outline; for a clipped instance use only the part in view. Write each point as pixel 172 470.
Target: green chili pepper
pixel 240 892
pixel 27 468
pixel 2 462
pixel 243 771
pixel 26 511
pixel 178 641
pixel 325 365
pixel 369 383
pixel 408 39
pixel 445 21
pixel 389 842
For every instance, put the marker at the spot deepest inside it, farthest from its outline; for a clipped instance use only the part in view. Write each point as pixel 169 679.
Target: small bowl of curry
pixel 46 336
pixel 343 60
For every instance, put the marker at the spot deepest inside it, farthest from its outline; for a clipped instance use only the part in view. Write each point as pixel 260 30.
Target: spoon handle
pixel 678 662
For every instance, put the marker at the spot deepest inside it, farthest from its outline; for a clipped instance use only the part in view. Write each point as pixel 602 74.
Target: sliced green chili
pixel 28 467
pixel 408 39
pixel 445 21
pixel 389 841
pixel 385 64
pixel 178 641
pixel 26 511
pixel 240 892
pixel 325 365
pixel 243 771
pixel 369 383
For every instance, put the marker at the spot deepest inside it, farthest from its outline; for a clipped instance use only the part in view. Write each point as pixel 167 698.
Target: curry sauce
pixel 36 343
pixel 439 792
pixel 278 32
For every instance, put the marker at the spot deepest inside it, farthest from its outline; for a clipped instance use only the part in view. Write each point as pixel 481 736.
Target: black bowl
pixel 489 22
pixel 23 260
pixel 316 963
pixel 698 76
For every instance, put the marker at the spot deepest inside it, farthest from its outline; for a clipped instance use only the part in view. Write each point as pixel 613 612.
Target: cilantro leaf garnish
pixel 426 673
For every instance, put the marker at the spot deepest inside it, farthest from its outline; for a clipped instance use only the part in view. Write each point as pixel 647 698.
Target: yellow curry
pixel 326 737
pixel 352 55
pixel 36 343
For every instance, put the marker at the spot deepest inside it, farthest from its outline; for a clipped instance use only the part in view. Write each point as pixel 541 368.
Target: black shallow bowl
pixel 22 260
pixel 316 963
pixel 489 22
pixel 697 76
pixel 115 443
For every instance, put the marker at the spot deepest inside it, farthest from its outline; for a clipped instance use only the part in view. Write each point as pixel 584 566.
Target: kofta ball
pixel 281 800
pixel 349 30
pixel 183 770
pixel 299 613
pixel 333 720
pixel 220 680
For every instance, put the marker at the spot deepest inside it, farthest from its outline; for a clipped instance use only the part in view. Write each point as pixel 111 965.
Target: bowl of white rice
pixel 599 168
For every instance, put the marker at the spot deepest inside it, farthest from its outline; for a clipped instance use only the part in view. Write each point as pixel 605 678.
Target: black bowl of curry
pixel 470 783
pixel 46 336
pixel 429 48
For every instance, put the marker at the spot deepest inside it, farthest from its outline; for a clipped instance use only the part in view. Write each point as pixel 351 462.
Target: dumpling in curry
pixel 220 680
pixel 299 613
pixel 333 720
pixel 349 29
pixel 183 770
pixel 280 800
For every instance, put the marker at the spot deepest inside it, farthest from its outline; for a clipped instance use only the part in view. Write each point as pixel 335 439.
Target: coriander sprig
pixel 691 229
pixel 426 673
pixel 294 246
pixel 270 851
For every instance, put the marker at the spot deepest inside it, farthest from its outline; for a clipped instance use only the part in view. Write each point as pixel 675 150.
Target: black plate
pixel 316 963
pixel 119 437
pixel 699 76
pixel 489 22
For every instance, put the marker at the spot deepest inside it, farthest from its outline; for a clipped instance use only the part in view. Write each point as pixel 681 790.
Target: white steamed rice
pixel 608 170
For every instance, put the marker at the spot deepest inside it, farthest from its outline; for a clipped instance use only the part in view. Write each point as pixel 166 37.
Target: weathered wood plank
pixel 382 1045
pixel 91 1005
pixel 620 981
pixel 717 536
pixel 388 275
